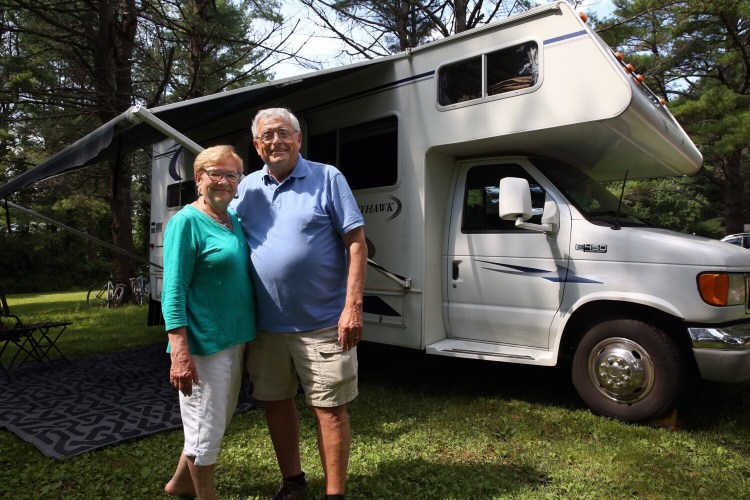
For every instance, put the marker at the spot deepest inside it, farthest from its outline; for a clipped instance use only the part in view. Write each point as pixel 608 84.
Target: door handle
pixel 455 269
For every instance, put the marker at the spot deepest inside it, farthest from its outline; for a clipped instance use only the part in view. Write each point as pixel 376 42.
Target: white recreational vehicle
pixel 476 163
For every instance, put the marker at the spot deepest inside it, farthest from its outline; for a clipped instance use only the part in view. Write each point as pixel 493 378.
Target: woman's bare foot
pixel 181 484
pixel 180 488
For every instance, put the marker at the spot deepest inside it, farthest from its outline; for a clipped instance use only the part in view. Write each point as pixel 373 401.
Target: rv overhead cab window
pixel 461 82
pixel 509 70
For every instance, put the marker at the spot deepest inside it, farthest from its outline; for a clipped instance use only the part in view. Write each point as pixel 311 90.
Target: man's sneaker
pixel 292 490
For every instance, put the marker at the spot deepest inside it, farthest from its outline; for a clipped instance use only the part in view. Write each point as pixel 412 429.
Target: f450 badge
pixel 592 247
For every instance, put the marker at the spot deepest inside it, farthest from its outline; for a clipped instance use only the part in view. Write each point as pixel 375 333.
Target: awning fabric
pixel 120 135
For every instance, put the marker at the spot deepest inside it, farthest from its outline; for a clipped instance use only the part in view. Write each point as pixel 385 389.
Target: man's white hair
pixel 265 114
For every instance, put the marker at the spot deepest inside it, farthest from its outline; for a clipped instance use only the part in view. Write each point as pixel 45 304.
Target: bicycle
pixel 140 288
pixel 108 295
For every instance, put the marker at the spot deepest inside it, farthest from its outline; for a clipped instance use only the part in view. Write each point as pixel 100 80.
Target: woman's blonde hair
pixel 213 155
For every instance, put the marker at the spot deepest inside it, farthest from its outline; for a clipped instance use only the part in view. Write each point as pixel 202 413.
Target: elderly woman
pixel 209 312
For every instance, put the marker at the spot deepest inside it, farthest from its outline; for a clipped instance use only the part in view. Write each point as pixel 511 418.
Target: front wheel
pixel 97 296
pixel 628 370
pixel 116 298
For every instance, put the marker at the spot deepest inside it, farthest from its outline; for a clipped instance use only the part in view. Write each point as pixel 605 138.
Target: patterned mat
pixel 96 401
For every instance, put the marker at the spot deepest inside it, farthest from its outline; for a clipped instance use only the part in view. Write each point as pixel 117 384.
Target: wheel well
pixel 595 312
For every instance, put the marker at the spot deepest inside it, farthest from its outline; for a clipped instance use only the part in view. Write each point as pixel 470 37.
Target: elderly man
pixel 309 256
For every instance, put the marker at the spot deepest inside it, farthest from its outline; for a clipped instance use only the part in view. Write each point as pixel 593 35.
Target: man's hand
pixel 350 327
pixel 350 321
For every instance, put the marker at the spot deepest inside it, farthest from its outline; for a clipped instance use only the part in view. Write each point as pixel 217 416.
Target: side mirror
pixel 515 203
pixel 515 199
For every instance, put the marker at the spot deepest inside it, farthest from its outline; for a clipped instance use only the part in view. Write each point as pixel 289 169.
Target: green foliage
pixel 35 250
pixel 719 117
pixel 678 203
pixel 424 427
pixel 696 55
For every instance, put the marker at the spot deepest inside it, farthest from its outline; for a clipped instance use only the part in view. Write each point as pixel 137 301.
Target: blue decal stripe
pixel 371 90
pixel 426 74
pixel 564 275
pixel 572 279
pixel 517 268
pixel 564 37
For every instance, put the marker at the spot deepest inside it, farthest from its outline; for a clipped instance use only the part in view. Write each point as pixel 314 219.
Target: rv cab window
pixel 482 195
pixel 512 69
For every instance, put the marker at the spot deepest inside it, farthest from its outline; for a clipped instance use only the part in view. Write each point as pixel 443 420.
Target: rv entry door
pixel 503 283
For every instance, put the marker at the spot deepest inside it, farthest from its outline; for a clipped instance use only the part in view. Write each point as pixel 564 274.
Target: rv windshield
pixel 592 199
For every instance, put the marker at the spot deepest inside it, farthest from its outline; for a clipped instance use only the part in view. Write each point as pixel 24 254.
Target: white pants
pixel 207 412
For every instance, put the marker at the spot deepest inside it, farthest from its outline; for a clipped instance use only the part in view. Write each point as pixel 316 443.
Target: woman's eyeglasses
pixel 217 176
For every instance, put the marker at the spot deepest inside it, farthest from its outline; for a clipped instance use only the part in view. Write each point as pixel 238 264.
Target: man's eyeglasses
pixel 268 135
pixel 217 176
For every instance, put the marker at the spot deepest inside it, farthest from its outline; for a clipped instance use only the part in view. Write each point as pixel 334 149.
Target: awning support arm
pixel 402 281
pixel 138 114
pixel 80 233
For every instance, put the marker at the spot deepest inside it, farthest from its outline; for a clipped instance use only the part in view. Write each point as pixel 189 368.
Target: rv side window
pixel 481 197
pixel 180 194
pixel 511 69
pixel 507 70
pixel 461 82
pixel 367 154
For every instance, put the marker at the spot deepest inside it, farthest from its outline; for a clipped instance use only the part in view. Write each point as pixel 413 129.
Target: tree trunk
pixel 734 190
pixel 113 63
pixel 460 11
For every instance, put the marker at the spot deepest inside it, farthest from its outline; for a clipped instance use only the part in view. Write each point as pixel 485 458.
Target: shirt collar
pixel 300 170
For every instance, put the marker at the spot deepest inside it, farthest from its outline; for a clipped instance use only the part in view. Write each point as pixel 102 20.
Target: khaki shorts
pixel 277 362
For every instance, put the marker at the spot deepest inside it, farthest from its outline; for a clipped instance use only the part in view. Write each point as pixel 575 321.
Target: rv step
pixel 492 352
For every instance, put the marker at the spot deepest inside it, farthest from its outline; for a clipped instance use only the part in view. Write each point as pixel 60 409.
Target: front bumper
pixel 722 353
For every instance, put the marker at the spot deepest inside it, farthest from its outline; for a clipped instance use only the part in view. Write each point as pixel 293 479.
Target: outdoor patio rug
pixel 96 401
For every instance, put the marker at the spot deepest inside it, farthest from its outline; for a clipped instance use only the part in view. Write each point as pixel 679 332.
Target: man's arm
pixel 351 322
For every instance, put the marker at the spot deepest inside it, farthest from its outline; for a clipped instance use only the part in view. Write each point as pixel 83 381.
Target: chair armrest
pixel 16 320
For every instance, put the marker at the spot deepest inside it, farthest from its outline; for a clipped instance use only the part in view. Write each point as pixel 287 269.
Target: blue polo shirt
pixel 294 231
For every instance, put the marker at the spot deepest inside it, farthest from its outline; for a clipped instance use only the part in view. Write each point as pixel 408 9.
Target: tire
pixel 117 295
pixel 97 296
pixel 141 296
pixel 628 370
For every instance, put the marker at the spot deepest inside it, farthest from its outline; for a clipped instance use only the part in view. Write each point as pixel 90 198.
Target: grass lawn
pixel 424 428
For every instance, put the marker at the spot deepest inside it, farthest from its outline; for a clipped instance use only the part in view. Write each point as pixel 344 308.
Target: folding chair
pixel 23 338
pixel 48 333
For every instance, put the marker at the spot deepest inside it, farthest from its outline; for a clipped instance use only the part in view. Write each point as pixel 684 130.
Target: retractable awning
pixel 124 134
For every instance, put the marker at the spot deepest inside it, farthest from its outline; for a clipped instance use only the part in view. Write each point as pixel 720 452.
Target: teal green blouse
pixel 207 285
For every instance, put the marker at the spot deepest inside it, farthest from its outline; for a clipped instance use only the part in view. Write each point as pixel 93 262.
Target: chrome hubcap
pixel 621 369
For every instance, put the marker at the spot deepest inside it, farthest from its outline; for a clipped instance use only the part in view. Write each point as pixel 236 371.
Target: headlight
pixel 722 289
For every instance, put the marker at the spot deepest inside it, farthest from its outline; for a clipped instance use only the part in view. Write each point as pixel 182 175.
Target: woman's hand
pixel 182 373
